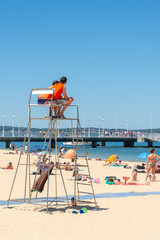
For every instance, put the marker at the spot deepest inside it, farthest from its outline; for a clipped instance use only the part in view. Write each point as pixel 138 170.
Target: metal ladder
pixel 82 188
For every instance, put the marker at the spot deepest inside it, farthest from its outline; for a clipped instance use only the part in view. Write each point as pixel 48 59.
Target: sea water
pixel 124 153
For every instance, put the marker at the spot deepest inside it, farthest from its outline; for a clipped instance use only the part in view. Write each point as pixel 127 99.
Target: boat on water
pixel 79 144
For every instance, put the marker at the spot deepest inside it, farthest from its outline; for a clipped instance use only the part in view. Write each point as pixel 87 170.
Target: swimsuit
pixel 152 165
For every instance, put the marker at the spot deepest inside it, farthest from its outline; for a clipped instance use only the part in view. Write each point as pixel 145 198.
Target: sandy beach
pixel 125 211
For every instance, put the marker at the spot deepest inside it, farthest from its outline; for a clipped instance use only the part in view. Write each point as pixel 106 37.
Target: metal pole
pixel 89 127
pixel 88 169
pixel 13 124
pixel 56 155
pixel 151 124
pixel 29 153
pixel 18 123
pixel 75 182
pixel 73 142
pixel 25 186
pixel 3 125
pixel 99 127
pixel 58 129
pixel 103 126
pixel 127 125
pixel 49 160
pixel 50 122
pixel 115 122
pixel 17 168
pixel 55 162
pixel 84 132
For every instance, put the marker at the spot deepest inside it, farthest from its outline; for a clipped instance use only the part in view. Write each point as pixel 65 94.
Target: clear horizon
pixel 109 51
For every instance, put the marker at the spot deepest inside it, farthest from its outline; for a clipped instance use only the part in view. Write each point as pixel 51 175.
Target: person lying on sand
pixel 11 152
pixel 9 166
pixel 68 166
pixel 126 166
pixel 117 163
pixel 80 177
pixel 107 164
pixel 113 180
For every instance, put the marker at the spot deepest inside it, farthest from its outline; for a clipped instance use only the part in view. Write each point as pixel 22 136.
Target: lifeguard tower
pixel 44 189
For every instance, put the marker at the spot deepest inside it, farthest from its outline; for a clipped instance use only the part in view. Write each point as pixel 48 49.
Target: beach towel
pixel 118 165
pixel 131 183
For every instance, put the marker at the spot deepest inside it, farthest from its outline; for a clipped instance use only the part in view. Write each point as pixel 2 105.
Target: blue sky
pixel 108 49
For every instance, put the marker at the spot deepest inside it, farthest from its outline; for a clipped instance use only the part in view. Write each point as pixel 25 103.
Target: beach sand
pixel 118 217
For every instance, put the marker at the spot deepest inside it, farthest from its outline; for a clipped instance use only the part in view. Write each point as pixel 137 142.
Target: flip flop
pixel 75 212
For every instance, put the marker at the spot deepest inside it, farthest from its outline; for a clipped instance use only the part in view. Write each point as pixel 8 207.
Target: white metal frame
pixel 52 124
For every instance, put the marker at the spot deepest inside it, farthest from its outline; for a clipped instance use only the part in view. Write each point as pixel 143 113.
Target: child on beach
pixel 9 166
pixel 60 97
pixel 134 174
pixel 22 151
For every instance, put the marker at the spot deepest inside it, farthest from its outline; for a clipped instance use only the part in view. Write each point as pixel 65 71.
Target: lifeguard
pixel 59 97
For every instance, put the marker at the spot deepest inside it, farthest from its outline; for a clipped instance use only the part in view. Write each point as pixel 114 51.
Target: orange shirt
pixel 57 93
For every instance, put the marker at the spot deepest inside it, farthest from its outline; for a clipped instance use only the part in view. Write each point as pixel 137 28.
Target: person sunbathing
pixel 79 176
pixel 11 152
pixel 125 181
pixel 66 165
pixel 107 164
pixel 114 163
pixel 117 163
pixel 9 166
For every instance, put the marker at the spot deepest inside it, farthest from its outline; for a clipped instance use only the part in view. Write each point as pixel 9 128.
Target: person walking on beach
pixel 13 146
pixel 151 163
pixel 10 146
pixel 26 148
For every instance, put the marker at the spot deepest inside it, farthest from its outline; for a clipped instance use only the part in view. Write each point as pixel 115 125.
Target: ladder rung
pixel 82 166
pixel 81 156
pixel 85 192
pixel 84 183
pixel 85 175
pixel 86 201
